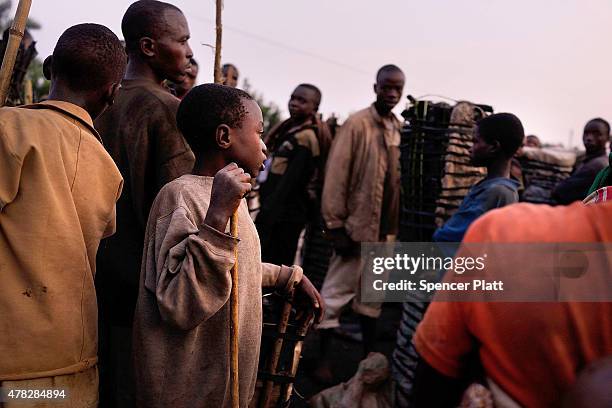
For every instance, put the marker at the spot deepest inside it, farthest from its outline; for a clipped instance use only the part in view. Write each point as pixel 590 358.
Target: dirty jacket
pixel 181 337
pixel 58 188
pixel 362 178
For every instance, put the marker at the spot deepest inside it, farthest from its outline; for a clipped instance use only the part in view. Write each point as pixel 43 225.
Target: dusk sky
pixel 547 61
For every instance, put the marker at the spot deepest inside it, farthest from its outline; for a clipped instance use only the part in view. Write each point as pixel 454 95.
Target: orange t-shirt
pixel 533 351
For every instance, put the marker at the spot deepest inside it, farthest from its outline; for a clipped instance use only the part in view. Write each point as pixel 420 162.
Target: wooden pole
pixel 217 73
pixel 16 35
pixel 234 323
pixel 234 378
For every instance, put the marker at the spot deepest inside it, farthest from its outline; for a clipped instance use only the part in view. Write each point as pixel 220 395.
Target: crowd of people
pixel 116 250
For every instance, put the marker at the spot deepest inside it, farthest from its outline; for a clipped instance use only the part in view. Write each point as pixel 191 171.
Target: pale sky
pixel 547 61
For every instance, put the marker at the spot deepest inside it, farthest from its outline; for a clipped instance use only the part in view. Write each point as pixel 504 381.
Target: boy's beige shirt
pixel 58 189
pixel 181 340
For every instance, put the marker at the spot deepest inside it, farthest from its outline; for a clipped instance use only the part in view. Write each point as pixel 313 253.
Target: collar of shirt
pixel 387 121
pixel 68 109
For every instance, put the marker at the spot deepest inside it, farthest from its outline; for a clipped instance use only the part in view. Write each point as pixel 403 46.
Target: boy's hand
pixel 307 297
pixel 230 185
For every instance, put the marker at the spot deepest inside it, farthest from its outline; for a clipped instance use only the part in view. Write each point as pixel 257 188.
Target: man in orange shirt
pixel 58 188
pixel 532 352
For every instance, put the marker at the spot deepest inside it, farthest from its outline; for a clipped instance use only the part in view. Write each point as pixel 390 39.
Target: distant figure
pixel 230 75
pixel 290 195
pixel 533 141
pixel 360 204
pixel 58 189
pixel 191 76
pixel 576 187
pixel 496 140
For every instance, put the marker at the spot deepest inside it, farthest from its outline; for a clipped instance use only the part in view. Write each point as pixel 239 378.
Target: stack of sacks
pixel 458 175
pixel 542 170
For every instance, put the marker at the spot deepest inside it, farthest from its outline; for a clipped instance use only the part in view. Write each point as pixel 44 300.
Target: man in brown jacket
pixel 361 201
pixel 58 188
pixel 140 133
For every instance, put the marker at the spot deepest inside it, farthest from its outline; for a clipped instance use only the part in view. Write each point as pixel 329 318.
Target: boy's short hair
pixel 387 68
pixel 144 18
pixel 88 56
pixel 316 90
pixel 603 122
pixel 504 128
pixel 206 107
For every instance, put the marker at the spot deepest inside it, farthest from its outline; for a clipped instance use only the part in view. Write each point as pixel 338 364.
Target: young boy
pixel 289 195
pixel 496 140
pixel 181 328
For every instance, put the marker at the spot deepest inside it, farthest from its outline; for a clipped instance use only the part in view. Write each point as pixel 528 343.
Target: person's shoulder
pixel 360 115
pixel 184 191
pixel 501 189
pixel 307 138
pixel 525 222
pixel 357 122
pixel 152 94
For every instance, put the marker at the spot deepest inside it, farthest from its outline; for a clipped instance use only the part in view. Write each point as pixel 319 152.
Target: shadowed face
pixel 230 76
pixel 172 51
pixel 481 151
pixel 389 88
pixel 248 150
pixel 595 137
pixel 303 103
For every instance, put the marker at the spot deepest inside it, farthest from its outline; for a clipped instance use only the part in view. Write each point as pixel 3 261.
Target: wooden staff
pixel 217 74
pixel 10 54
pixel 234 378
pixel 234 323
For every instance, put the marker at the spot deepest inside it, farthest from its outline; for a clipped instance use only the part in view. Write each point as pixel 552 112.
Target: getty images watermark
pixel 400 272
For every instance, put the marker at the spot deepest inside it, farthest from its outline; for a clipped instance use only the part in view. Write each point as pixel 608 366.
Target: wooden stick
pixel 234 322
pixel 277 348
pixel 217 73
pixel 10 54
pixel 297 352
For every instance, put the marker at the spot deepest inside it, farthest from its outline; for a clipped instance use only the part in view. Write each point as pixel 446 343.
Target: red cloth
pixel 531 350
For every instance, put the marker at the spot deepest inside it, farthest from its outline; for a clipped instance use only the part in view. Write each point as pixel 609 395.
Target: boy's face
pixel 173 54
pixel 303 103
pixel 248 150
pixel 389 88
pixel 481 151
pixel 230 76
pixel 595 137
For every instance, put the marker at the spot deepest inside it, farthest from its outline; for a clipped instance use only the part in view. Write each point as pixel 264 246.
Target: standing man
pixel 58 188
pixel 288 194
pixel 361 202
pixel 595 138
pixel 141 135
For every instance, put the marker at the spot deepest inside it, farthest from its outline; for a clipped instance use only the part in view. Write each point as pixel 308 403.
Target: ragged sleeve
pixel 188 269
pixel 12 152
